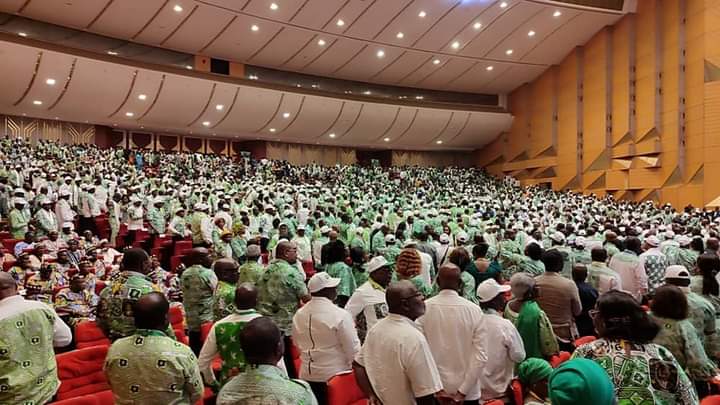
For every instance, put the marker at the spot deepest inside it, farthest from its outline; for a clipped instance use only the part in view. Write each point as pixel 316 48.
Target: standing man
pixel 395 364
pixel 18 221
pixel 559 299
pixel 654 262
pixel 367 304
pixel 226 271
pixel 600 276
pixel 201 226
pixel 63 210
pixel 251 270
pixel 460 355
pixel 198 287
pixel 45 219
pixel 149 367
pixel 28 332
pixel 325 335
pixel 628 266
pixel 281 288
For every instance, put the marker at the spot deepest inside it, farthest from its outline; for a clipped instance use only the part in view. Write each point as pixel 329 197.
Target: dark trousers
pixel 195 341
pixel 87 223
pixel 320 391
pixel 287 357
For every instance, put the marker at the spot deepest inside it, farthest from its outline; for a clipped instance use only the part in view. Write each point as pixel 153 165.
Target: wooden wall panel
pixel 621 71
pixel 595 101
pixel 567 98
pixel 647 72
pixel 542 129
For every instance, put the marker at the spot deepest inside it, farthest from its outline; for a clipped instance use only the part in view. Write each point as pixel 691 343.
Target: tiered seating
pixel 81 372
pixel 88 334
pixel 343 390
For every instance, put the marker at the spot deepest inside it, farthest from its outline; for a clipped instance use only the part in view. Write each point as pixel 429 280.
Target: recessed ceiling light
pixel 419 97
pixel 286 115
pixel 272 130
pixel 142 97
pixel 340 23
pixel 489 68
pixel 422 14
pixel 439 142
pixel 477 25
pixel 509 52
pixel 386 139
pixel 436 62
pixel 367 92
pixel 314 86
pixel 332 135
pixel 129 114
pixel 178 8
pixel 188 67
pixel 22 34
pixel 273 6
pixel 206 123
pixel 400 35
pixel 557 13
pixel 112 53
pixel 255 28
pixel 503 4
pixel 298 85
pixel 381 54
pixel 455 45
pixel 531 33
pixel 321 42
pixel 219 107
pixel 37 102
pixel 51 82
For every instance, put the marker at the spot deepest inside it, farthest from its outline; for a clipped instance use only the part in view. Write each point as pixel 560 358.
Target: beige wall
pixel 635 112
pixel 415 158
pixel 34 129
pixel 300 154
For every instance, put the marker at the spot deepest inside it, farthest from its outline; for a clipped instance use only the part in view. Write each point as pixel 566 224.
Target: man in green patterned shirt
pixel 223 304
pixel 251 270
pixel 149 367
pixel 263 382
pixel 198 286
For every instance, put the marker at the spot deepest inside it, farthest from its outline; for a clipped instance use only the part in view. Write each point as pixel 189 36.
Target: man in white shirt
pixel 460 355
pixel 304 251
pixel 63 211
pixel 325 335
pixel 395 365
pixel 504 339
pixel 367 304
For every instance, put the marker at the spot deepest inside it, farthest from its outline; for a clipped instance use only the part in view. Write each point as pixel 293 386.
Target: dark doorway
pixel 368 157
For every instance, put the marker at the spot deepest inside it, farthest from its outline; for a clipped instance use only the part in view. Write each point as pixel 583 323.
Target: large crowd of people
pixel 432 285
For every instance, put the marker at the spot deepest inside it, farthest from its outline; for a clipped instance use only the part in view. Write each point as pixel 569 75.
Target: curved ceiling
pixel 42 83
pixel 484 46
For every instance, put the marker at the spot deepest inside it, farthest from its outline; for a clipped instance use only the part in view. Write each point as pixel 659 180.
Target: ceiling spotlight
pixel 188 67
pixel 50 82
pixel 400 35
pixel 206 123
pixel 272 130
pixel 419 97
pixel 381 54
pixel 113 53
pixel 386 139
pixel 286 115
pixel 22 34
pixel 252 77
pixel 436 62
pixel 340 23
pixel 422 14
pixel 298 85
pixel 314 86
pixel 557 13
pixel 37 102
pixel 129 114
pixel 531 33
pixel 367 92
pixel 273 6
pixel 332 135
pixel 219 107
pixel 142 97
pixel 255 28
pixel 503 4
pixel 439 142
pixel 477 25
pixel 509 52
pixel 178 8
pixel 321 42
pixel 455 45
pixel 489 68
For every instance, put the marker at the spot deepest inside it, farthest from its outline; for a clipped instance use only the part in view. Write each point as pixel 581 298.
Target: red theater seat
pixel 81 372
pixel 559 359
pixel 88 334
pixel 181 246
pixel 177 320
pixel 9 244
pixel 100 398
pixel 711 400
pixel 343 390
pixel 517 391
pixel 584 340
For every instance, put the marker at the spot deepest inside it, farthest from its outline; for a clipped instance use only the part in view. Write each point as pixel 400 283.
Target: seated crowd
pixel 430 285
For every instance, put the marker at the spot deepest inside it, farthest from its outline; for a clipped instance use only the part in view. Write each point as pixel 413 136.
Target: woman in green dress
pixel 336 267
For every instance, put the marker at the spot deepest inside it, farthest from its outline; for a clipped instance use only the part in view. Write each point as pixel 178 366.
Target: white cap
pixel 376 263
pixel 684 240
pixel 580 241
pixel 676 271
pixel 68 225
pixel 652 240
pixel 462 237
pixel 558 237
pixel 20 201
pixel 64 193
pixel 489 289
pixel 444 238
pixel 389 238
pixel 324 229
pixel 300 228
pixel 321 281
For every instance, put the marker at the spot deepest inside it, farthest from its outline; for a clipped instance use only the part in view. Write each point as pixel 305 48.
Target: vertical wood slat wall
pixel 635 112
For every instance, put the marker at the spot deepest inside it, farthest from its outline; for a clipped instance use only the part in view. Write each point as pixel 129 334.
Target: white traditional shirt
pixel 507 351
pixel 367 306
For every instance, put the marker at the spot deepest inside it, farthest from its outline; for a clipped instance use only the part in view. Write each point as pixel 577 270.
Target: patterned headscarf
pixel 408 263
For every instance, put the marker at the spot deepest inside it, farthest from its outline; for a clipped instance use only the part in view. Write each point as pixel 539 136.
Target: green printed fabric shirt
pixel 265 384
pixel 223 300
pixel 680 338
pixel 359 274
pixel 198 286
pixel 114 313
pixel 650 375
pixel 28 372
pixel 18 223
pixel 250 272
pixel 279 290
pixel 347 281
pixel 151 368
pixel 227 342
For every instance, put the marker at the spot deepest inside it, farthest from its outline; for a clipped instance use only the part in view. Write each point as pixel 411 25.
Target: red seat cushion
pixel 81 372
pixel 99 398
pixel 88 334
pixel 343 390
pixel 584 340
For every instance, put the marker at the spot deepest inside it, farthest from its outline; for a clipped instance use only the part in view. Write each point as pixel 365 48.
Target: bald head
pixel 246 296
pixel 449 277
pixel 226 270
pixel 403 298
pixel 7 285
pixel 199 256
pixel 151 311
pixel 136 259
pixel 287 251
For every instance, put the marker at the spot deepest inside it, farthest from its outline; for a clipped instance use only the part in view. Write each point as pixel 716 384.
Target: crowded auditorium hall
pixel 359 202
